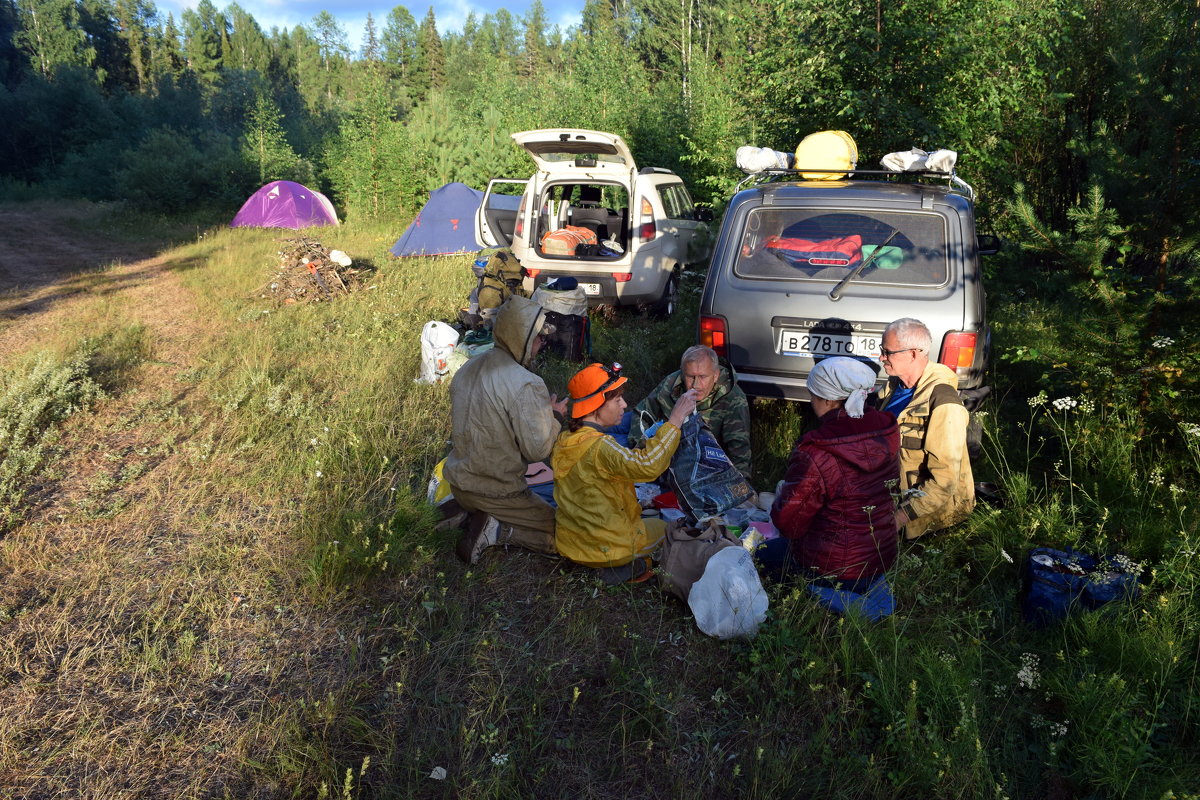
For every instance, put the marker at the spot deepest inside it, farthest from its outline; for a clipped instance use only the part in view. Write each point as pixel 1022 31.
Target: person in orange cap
pixel 599 521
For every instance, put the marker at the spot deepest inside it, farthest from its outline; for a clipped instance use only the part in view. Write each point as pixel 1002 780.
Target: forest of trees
pixel 112 99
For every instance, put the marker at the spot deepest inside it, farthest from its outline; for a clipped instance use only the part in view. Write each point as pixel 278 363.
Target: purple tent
pixel 283 204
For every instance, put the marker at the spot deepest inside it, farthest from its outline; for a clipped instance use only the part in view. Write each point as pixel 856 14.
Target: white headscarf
pixel 841 378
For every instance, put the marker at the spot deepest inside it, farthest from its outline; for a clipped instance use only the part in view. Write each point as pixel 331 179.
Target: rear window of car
pixel 824 245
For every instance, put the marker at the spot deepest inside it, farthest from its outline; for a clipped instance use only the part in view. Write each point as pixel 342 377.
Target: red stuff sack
pixel 842 252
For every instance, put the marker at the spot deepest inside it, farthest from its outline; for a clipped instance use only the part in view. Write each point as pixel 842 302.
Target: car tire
pixel 665 306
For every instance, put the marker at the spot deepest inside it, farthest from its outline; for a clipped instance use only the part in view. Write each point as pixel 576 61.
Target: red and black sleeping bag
pixel 845 251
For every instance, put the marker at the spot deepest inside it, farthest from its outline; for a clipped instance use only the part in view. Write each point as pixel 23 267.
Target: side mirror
pixel 703 215
pixel 988 244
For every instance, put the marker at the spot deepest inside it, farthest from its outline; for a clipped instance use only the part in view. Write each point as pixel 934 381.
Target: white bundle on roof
pixel 756 159
pixel 916 160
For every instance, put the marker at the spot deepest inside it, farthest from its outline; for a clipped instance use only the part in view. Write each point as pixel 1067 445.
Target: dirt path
pixel 143 620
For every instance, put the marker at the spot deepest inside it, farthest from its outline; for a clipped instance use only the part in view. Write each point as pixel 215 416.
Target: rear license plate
pixel 809 343
pixel 590 288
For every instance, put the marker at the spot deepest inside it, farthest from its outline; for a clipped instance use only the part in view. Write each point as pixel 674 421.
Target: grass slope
pixel 223 582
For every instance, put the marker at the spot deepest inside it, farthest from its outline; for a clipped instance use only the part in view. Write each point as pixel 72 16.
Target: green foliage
pixel 153 174
pixel 49 31
pixel 1135 341
pixel 33 401
pixel 372 164
pixel 265 145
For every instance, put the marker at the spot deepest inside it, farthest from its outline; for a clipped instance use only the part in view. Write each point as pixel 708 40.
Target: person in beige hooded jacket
pixel 936 483
pixel 502 420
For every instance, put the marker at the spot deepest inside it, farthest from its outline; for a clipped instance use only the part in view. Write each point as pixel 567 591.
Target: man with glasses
pixel 502 419
pixel 936 484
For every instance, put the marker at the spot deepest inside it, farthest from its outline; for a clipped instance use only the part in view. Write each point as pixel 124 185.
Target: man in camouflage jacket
pixel 721 404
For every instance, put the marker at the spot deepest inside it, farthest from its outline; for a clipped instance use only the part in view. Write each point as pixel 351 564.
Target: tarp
pixel 446 224
pixel 284 204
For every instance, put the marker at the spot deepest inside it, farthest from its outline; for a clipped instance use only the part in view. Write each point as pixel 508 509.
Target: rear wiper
pixel 836 292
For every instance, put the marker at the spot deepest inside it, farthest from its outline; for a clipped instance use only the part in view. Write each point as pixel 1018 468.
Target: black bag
pixel 703 478
pixel 572 337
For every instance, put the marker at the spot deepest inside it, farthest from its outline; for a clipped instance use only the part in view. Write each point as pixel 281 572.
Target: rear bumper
pixel 611 291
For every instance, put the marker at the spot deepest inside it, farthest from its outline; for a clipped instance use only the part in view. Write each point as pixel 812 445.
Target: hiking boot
pixel 635 571
pixel 483 531
pixel 453 516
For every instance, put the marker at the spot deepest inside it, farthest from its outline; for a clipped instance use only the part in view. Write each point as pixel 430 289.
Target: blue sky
pixel 353 15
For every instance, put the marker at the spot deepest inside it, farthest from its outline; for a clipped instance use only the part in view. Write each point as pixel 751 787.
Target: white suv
pixel 645 224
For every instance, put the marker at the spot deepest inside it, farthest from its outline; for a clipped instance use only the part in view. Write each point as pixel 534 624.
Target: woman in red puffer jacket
pixel 834 509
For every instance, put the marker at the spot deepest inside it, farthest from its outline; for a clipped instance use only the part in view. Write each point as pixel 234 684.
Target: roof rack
pixel 950 177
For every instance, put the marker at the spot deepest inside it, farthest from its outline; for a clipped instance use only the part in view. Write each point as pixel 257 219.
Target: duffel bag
pixel 565 241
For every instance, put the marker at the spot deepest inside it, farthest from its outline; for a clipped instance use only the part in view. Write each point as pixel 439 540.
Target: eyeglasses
pixel 885 353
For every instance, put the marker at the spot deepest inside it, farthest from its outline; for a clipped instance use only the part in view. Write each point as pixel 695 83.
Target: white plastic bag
pixel 917 159
pixel 729 601
pixel 756 159
pixel 437 345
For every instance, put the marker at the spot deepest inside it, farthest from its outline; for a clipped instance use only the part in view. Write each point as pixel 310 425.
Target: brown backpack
pixel 686 551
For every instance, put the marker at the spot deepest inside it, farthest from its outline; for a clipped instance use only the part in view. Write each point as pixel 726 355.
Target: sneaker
pixel 453 516
pixel 483 531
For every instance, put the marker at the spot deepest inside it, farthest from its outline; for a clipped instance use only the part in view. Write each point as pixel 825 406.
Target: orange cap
pixel 588 386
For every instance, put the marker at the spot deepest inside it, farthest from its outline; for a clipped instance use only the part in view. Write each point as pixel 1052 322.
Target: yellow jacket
pixel 599 522
pixel 933 452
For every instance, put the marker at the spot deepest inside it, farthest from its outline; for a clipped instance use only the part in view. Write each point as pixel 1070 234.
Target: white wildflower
pixel 1038 399
pixel 500 759
pixel 1191 429
pixel 1087 405
pixel 1065 403
pixel 1126 564
pixel 313 441
pixel 1162 342
pixel 1156 477
pixel 1027 675
pixel 320 474
pixel 1058 729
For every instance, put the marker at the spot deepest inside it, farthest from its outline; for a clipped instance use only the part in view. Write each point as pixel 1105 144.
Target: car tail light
pixel 622 277
pixel 646 228
pixel 533 273
pixel 520 227
pixel 958 351
pixel 712 334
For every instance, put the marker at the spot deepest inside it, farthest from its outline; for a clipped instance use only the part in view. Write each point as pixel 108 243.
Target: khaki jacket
pixel 933 452
pixel 500 415
pixel 599 522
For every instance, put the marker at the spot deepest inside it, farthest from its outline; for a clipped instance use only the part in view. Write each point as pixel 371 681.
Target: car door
pixel 694 236
pixel 496 218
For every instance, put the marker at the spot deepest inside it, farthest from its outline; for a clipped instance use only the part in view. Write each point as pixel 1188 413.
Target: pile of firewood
pixel 309 272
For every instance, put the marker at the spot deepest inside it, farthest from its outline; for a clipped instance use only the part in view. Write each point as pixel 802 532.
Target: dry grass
pixel 226 585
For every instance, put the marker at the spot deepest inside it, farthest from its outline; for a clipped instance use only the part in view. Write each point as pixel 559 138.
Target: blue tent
pixel 446 224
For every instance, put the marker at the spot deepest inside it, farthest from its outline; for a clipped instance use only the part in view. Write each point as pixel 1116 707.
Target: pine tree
pixel 134 21
pixel 534 56
pixel 431 69
pixel 203 31
pixel 399 42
